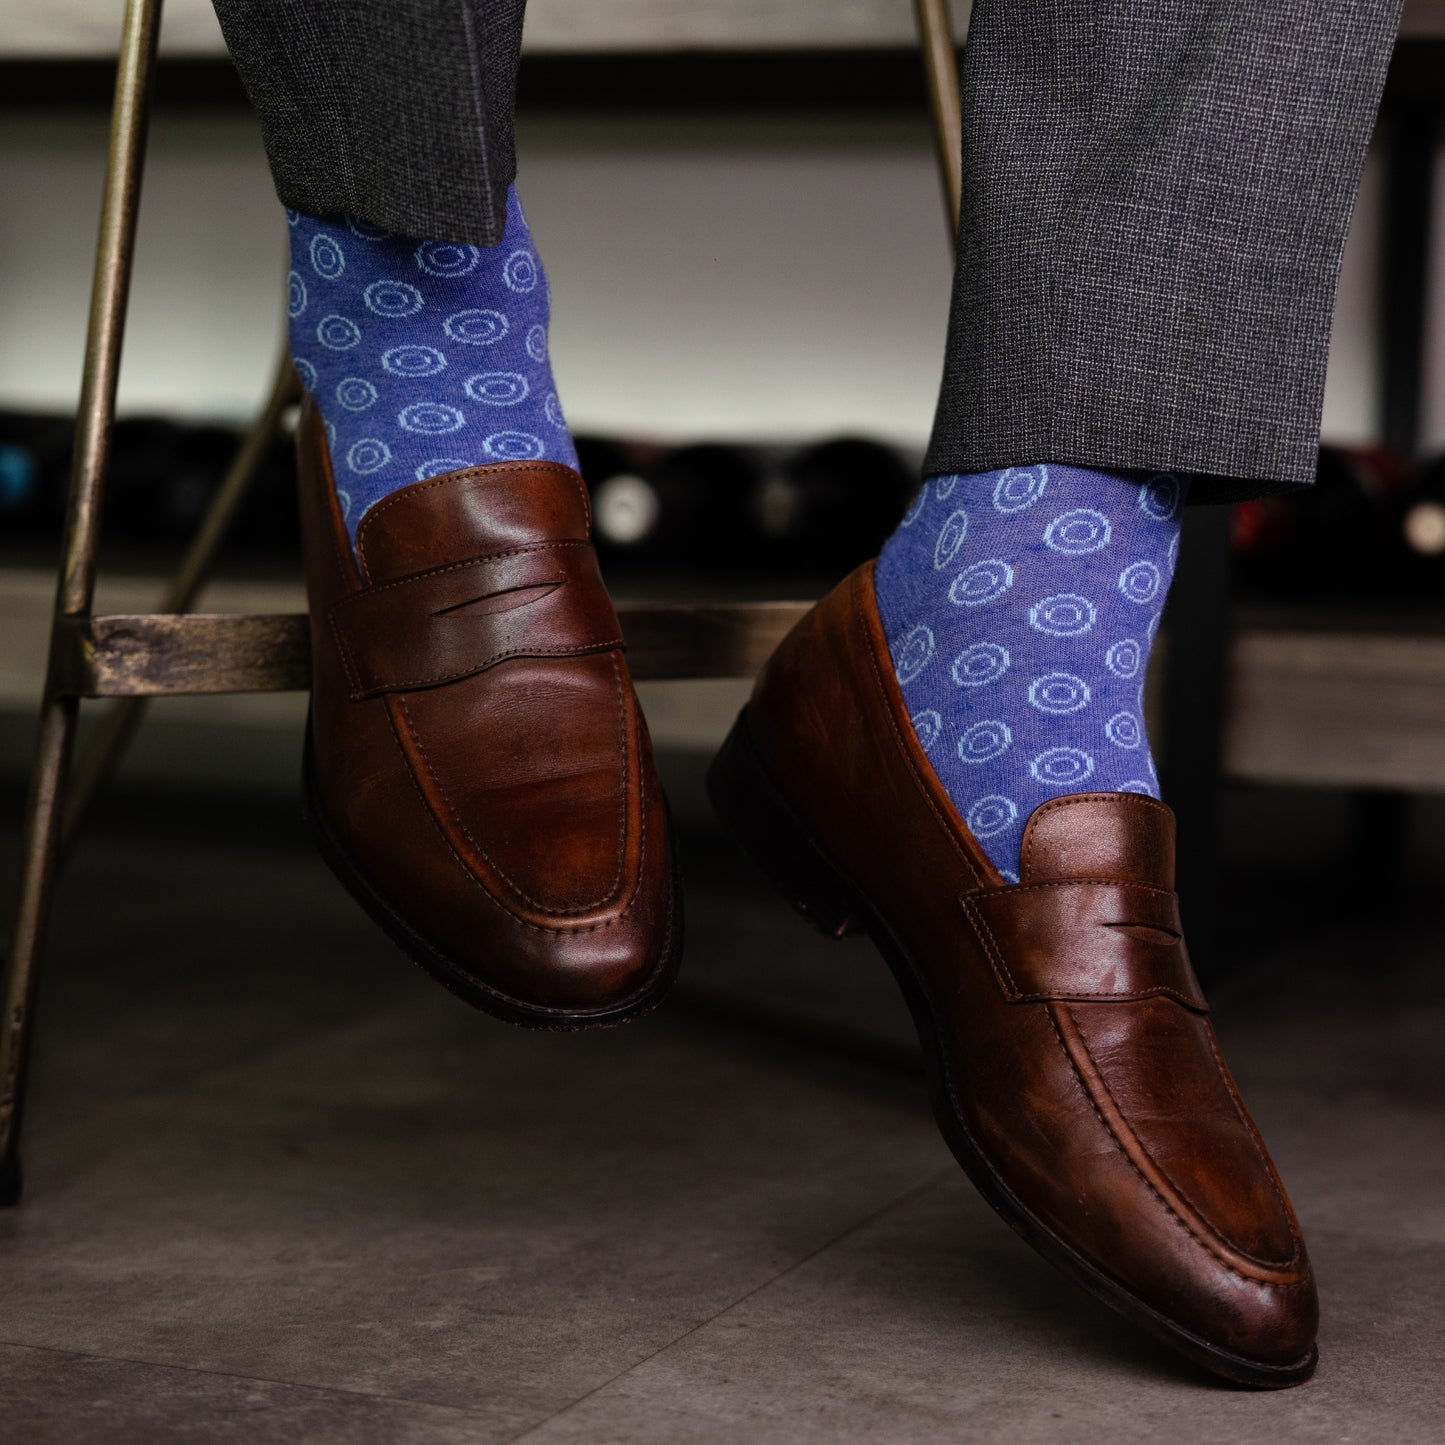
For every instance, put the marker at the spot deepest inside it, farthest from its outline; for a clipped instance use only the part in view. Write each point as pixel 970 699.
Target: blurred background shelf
pixel 1345 702
pixel 1338 697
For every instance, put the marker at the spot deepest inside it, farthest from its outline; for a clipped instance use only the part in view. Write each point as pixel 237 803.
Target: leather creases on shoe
pixel 479 769
pixel 1074 1069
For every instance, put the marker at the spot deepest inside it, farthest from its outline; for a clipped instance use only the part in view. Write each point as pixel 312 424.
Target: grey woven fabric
pixel 1155 201
pixel 398 112
pixel 1156 195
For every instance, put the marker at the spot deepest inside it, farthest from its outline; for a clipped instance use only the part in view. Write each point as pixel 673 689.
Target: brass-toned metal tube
pixel 110 292
pixel 109 296
pixel 940 67
pixel 121 719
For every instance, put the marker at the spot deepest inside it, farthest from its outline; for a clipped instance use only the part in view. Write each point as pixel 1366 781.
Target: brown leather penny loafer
pixel 1073 1067
pixel 478 772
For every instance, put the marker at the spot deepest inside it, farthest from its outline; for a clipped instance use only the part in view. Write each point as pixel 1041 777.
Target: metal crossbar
pixel 192 654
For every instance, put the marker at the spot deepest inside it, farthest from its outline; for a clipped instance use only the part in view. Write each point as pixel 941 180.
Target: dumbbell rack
pixel 174 652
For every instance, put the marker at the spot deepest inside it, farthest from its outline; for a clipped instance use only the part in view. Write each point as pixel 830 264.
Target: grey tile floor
pixel 281 1188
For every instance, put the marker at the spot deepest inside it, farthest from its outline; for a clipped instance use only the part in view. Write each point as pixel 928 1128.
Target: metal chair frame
pixel 175 652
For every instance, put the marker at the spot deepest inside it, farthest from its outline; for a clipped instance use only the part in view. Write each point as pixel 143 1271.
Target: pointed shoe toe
pixel 478 772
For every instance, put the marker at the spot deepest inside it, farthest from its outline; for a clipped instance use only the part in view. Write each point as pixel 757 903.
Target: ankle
pixel 422 356
pixel 1020 607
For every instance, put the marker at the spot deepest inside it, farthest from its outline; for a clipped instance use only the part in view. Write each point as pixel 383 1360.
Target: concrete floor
pixel 280 1187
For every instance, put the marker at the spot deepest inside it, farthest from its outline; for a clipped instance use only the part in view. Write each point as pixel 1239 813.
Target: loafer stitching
pixel 562 930
pixel 1001 971
pixel 358 693
pixel 363 529
pixel 1074 800
pixel 899 742
pixel 1254 1138
pixel 1208 1244
pixel 558 1010
pixel 1005 975
pixel 614 887
pixel 484 665
pixel 518 551
pixel 344 653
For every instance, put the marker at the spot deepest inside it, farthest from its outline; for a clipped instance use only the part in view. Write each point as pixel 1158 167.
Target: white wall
pixel 91 27
pixel 750 279
pixel 753 279
pixel 1353 383
pixel 205 311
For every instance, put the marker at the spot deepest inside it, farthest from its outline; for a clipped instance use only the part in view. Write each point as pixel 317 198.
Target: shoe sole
pixel 751 806
pixel 453 976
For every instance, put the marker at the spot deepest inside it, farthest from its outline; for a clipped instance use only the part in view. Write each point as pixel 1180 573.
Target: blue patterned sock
pixel 1020 607
pixel 423 356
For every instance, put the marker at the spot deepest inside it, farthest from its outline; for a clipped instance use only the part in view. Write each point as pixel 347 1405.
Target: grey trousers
pixel 1156 196
pixel 398 112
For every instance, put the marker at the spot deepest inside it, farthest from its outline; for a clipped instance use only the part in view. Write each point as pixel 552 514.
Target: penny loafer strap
pixel 542 600
pixel 1085 939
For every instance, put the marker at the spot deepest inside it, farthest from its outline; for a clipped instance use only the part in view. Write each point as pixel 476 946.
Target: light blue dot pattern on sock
pixel 1019 608
pixel 423 356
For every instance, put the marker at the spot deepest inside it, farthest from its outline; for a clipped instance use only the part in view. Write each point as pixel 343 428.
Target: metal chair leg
pixel 95 765
pixel 110 293
pixel 940 66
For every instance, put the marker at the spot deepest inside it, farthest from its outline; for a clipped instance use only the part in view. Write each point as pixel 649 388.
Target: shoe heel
pixel 744 798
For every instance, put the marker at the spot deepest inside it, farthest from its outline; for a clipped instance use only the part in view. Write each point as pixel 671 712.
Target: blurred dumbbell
pixel 1422 531
pixel 832 505
pixel 682 508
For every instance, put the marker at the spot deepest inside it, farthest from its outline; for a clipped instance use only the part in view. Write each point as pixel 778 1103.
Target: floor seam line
pixel 234 1375
pixel 928 1183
